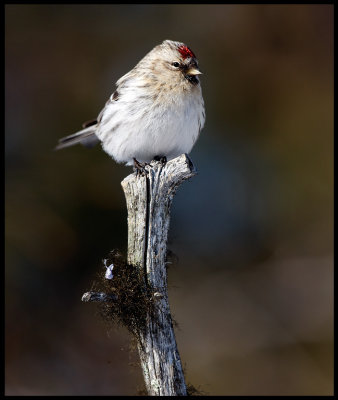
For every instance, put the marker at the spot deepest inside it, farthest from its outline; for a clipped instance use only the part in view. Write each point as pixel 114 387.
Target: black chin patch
pixel 192 79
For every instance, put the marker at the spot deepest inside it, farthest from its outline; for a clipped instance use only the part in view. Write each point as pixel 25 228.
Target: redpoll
pixel 157 109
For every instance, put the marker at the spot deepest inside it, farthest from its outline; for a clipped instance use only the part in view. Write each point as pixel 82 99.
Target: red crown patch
pixel 186 52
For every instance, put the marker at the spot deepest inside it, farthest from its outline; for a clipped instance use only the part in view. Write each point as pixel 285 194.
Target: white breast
pixel 137 125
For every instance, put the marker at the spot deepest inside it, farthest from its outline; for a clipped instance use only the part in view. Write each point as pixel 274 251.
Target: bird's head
pixel 174 63
pixel 180 59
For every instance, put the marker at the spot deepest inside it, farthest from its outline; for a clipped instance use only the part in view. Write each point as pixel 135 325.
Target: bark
pixel 149 199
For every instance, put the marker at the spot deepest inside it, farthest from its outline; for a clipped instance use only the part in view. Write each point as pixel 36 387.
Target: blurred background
pixel 252 291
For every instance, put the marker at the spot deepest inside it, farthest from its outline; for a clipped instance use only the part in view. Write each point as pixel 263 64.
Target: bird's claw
pixel 139 168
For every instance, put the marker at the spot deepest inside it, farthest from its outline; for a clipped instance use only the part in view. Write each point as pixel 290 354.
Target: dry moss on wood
pixel 136 295
pixel 133 300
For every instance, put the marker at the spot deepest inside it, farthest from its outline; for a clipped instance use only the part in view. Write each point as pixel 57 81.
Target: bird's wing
pixel 114 97
pixel 121 84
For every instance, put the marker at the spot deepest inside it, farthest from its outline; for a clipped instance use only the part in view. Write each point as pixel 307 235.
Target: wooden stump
pixel 149 199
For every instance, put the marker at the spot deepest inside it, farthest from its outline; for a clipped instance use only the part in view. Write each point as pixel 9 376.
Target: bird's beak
pixel 193 71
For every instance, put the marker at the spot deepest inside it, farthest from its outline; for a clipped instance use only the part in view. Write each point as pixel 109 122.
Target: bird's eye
pixel 175 64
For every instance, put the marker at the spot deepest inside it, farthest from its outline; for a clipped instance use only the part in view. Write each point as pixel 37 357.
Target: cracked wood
pixel 149 200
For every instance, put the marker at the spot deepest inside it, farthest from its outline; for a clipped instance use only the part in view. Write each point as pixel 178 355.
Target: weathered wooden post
pixel 149 199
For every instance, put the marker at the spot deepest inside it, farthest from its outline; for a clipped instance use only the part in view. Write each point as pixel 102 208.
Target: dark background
pixel 253 231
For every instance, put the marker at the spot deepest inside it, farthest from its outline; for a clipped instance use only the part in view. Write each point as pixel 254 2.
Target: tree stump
pixel 149 199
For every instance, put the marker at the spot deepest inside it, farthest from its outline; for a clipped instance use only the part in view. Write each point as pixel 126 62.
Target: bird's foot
pixel 162 159
pixel 139 168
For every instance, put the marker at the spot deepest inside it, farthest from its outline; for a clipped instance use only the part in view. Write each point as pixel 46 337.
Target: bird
pixel 156 111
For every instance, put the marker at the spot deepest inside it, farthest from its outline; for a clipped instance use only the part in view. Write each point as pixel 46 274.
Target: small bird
pixel 156 111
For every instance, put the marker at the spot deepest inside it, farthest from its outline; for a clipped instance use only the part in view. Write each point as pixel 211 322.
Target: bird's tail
pixel 86 137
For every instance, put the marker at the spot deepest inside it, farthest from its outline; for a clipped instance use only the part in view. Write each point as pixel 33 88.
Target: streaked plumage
pixel 157 109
